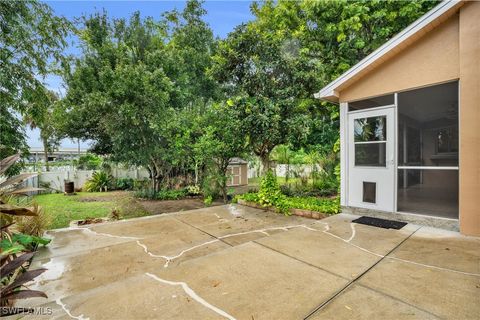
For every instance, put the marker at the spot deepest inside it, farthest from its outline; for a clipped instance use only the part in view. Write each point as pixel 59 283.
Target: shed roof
pixel 237 161
pixel 425 23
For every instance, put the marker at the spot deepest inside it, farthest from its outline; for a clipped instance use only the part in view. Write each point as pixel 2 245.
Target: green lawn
pixel 62 209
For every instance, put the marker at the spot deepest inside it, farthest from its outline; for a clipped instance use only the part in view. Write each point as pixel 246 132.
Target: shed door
pixel 371 171
pixel 236 175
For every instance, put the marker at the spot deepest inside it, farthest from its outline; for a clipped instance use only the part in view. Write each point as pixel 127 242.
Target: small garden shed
pixel 237 172
pixel 410 114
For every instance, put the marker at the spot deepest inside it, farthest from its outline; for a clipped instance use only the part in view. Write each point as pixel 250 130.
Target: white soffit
pixel 398 42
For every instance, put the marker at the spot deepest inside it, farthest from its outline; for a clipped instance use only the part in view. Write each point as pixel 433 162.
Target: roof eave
pixel 328 95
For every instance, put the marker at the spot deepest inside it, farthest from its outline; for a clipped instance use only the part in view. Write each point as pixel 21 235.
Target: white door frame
pixel 346 156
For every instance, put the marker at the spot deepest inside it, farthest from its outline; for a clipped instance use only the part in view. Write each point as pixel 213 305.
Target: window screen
pixel 372 102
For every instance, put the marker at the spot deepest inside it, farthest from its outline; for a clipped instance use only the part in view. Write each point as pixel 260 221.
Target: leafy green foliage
pixel 323 205
pixel 124 184
pixel 221 139
pixel 208 201
pixel 148 76
pixel 28 242
pixel 31 37
pixel 164 194
pixel 39 114
pixel 12 138
pixel 13 277
pixel 190 102
pixel 193 190
pixel 89 161
pixel 284 204
pixel 100 181
pixel 270 193
pixel 12 274
pixel 265 92
pixel 36 225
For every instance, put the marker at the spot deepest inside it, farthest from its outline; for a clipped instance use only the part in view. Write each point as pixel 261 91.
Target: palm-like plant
pixel 100 181
pixel 13 247
pixel 12 186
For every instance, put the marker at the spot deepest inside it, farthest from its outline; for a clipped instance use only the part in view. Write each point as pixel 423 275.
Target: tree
pixel 266 94
pixel 222 139
pixel 31 37
pixel 12 138
pixel 39 114
pixel 142 79
pixel 120 78
pixel 272 66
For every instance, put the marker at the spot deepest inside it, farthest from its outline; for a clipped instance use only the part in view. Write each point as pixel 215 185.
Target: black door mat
pixel 380 223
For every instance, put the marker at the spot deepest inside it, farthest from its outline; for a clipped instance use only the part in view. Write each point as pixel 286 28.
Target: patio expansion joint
pixel 399 300
pixel 299 260
pixel 356 279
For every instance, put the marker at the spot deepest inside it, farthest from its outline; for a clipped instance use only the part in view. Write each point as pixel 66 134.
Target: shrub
pixel 124 184
pixel 89 162
pixel 35 225
pixel 146 194
pixel 251 197
pixel 165 194
pixel 324 205
pixel 141 184
pixel 208 201
pixel 193 190
pixel 13 246
pixel 270 194
pixel 127 207
pixel 211 185
pixel 100 181
pixel 168 194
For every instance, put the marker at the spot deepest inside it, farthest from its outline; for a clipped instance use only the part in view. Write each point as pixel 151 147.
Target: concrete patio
pixel 236 262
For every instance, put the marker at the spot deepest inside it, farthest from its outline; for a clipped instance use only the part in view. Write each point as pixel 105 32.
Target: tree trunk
pixel 265 158
pixel 223 183
pixel 45 153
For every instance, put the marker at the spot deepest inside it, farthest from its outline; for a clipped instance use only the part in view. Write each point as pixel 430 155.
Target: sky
pixel 222 16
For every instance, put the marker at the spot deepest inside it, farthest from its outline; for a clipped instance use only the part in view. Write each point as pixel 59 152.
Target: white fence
pixel 303 170
pixel 56 179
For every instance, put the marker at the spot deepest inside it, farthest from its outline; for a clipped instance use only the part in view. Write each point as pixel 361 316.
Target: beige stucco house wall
pixel 448 49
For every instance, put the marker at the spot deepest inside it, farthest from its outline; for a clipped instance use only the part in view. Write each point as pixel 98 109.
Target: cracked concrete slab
pixel 226 220
pixel 234 262
pixel 360 303
pixel 253 282
pixel 142 228
pixel 441 292
pixel 368 236
pixel 71 241
pixel 140 297
pixel 322 250
pixel 441 248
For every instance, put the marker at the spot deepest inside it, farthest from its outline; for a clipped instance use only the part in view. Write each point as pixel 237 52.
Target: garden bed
pixel 294 211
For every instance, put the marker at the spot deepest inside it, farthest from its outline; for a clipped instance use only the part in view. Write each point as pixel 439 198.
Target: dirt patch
pixel 165 206
pixel 104 197
pixel 90 221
